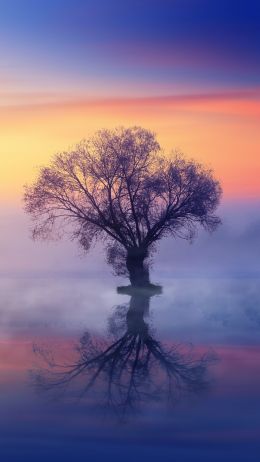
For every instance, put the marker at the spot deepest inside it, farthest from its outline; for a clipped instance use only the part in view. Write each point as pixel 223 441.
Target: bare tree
pixel 118 186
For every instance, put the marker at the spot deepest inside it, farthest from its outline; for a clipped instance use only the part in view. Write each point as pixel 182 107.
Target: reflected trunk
pixel 138 308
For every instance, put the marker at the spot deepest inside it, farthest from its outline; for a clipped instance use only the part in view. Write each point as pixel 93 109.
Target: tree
pixel 119 187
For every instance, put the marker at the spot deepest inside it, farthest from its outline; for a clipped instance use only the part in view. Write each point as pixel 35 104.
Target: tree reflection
pixel 130 368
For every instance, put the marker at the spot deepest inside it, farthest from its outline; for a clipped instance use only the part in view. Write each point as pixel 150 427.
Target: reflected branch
pixel 134 369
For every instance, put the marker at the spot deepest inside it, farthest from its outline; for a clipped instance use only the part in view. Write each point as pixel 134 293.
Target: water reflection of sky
pixel 220 314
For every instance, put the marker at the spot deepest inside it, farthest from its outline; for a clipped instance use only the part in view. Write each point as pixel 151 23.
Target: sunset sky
pixel 187 69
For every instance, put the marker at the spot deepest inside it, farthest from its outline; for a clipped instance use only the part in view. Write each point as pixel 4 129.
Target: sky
pixel 187 69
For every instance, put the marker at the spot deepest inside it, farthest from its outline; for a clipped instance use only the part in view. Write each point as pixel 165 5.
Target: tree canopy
pixel 120 187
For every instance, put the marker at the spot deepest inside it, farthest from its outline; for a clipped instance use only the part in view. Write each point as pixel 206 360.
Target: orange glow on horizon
pixel 220 131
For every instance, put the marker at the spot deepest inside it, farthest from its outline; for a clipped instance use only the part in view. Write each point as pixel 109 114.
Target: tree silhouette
pixel 131 369
pixel 119 187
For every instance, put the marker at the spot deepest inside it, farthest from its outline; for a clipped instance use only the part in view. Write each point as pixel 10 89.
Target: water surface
pixel 213 322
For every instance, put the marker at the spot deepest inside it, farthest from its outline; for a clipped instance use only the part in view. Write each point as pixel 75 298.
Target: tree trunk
pixel 138 271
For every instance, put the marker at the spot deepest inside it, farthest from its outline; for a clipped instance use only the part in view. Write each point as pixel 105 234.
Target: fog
pixel 234 249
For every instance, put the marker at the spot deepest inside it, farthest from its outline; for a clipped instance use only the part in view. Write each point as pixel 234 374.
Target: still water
pixel 90 371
